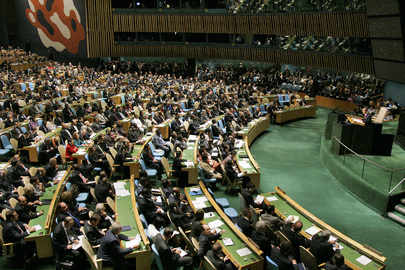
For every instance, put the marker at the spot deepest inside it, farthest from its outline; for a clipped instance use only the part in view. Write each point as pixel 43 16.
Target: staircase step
pixel 398 217
pixel 400 208
pixel 403 201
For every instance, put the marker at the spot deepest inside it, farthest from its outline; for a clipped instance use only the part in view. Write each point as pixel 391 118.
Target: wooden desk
pixel 253 261
pixel 134 166
pixel 117 99
pixel 333 104
pixel 80 155
pixel 295 114
pixel 352 250
pixel 164 128
pixel 190 155
pixel 128 215
pixel 42 237
pixel 125 123
pixel 33 148
pixel 245 160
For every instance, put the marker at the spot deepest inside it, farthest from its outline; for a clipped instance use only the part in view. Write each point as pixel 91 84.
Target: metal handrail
pixel 368 160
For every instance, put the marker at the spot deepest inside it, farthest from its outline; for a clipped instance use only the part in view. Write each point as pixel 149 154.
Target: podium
pixel 362 139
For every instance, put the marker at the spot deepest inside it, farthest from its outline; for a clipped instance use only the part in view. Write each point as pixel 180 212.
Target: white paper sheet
pixel 133 243
pixel 243 252
pixel 259 199
pixel 228 241
pixel 208 215
pixel 215 224
pixel 272 198
pixel 199 204
pixel 244 164
pixel 122 193
pixel 201 199
pixel 363 260
pixel 37 227
pixel 193 189
pixel 312 230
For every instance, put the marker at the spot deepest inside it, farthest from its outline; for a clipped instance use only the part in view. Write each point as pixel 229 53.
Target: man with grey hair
pixel 110 250
pixel 322 246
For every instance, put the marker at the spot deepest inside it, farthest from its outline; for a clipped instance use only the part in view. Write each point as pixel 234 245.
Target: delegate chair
pixel 309 259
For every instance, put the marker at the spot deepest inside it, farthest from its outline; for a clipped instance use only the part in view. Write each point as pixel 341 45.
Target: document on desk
pixel 259 199
pixel 243 252
pixel 215 224
pixel 312 230
pixel 199 204
pixel 122 193
pixel 208 215
pixel 37 227
pixel 189 164
pixel 195 189
pixel 227 241
pixel 134 242
pixel 363 260
pixel 244 164
pixel 78 245
pixel 201 199
pixel 272 198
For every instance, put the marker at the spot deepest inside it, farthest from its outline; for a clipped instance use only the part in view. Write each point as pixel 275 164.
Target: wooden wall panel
pixel 318 24
pixel 319 60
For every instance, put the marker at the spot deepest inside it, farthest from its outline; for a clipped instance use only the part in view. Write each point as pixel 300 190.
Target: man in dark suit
pixel 65 134
pixel 206 239
pixel 321 247
pixel 14 231
pixel 283 257
pixel 218 259
pixel 170 257
pixel 26 210
pixel 110 250
pixel 297 240
pixel 244 222
pixel 63 240
pixel 93 233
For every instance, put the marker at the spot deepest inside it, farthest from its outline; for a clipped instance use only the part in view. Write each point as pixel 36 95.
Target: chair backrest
pixel 122 99
pixel 308 259
pixel 110 160
pixel 208 265
pixel 142 163
pixel 188 241
pixel 186 125
pixel 113 151
pixel 62 152
pixel 166 166
pixel 271 265
pixel 93 194
pixel 3 214
pixel 195 243
pixel 152 146
pixel 13 202
pixel 111 203
pixel 40 122
pixel 23 130
pixel 156 257
pixel 4 141
pixel 20 191
pixel 242 201
pixel 33 171
pixel 143 220
pixel 14 143
pixel 91 256
pixel 282 237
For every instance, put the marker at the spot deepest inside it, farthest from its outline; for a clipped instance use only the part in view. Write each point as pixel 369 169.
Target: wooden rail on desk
pixel 228 221
pixel 363 249
pixel 247 150
pixel 52 207
pixel 136 213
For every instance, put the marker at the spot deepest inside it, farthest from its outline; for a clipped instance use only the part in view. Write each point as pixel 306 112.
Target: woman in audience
pixel 71 148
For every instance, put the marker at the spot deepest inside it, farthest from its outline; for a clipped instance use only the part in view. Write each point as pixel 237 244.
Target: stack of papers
pixel 199 204
pixel 120 189
pixel 244 164
pixel 37 227
pixel 59 175
pixel 133 243
pixel 227 241
pixel 215 224
pixel 208 215
pixel 363 260
pixel 312 230
pixel 272 198
pixel 243 252
pixel 189 164
pixel 259 199
pixel 81 151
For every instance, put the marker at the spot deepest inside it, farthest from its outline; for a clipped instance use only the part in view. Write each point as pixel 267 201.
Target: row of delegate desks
pixel 33 149
pixel 295 113
pixel 246 163
pixel 80 155
pixel 128 215
pixel 253 259
pixel 42 237
pixel 352 250
pixel 133 163
pixel 189 155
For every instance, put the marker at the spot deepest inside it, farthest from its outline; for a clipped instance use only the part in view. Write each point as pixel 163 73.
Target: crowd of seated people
pixel 150 100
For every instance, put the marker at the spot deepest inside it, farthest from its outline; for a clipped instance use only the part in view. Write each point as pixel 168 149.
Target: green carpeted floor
pixel 289 157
